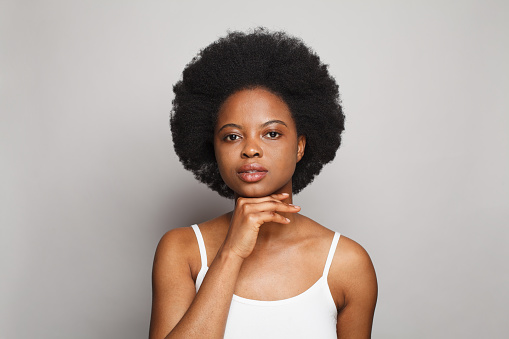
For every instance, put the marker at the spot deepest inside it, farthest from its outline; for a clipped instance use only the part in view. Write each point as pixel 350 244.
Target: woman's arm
pixel 177 312
pixel 356 276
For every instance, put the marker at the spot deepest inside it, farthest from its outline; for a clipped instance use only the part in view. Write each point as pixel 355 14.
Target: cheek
pixel 290 151
pixel 287 157
pixel 223 159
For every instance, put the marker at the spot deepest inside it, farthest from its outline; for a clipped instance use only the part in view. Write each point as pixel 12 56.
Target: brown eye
pixel 231 137
pixel 273 134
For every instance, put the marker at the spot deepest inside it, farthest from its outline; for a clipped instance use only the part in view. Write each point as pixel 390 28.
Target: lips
pixel 251 172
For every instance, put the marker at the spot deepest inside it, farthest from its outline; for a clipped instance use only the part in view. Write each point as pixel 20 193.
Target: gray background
pixel 90 182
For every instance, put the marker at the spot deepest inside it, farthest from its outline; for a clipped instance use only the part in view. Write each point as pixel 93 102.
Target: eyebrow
pixel 270 122
pixel 274 122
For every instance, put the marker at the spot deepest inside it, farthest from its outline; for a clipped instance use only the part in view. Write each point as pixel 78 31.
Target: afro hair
pixel 275 61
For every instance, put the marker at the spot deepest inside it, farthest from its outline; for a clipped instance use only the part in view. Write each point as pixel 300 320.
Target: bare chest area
pixel 280 272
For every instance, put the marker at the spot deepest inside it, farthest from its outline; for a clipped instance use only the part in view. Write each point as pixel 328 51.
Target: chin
pixel 257 192
pixel 251 191
pixel 251 194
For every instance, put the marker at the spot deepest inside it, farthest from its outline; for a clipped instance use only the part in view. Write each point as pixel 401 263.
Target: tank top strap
pixel 201 245
pixel 332 250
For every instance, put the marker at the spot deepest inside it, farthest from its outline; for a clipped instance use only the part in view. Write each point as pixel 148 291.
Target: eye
pixel 273 134
pixel 231 137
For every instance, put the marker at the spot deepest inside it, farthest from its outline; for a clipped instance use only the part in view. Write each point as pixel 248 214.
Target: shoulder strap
pixel 332 250
pixel 201 245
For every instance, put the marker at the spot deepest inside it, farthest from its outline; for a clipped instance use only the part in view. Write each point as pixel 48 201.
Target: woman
pixel 256 116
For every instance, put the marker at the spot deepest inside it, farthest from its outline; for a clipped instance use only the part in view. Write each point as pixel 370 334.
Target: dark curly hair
pixel 275 61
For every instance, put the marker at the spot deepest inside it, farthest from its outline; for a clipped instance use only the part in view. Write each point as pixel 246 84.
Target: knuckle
pixel 274 204
pixel 245 208
pixel 251 218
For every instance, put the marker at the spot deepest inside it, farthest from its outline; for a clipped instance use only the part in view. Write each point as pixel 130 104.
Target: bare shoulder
pixel 180 245
pixel 182 241
pixel 352 276
pixel 177 237
pixel 173 287
pixel 351 256
pixel 176 246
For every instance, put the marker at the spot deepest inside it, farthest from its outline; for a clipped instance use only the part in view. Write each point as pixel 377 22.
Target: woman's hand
pixel 249 215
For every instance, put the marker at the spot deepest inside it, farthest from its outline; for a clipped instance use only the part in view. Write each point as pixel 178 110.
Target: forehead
pixel 253 106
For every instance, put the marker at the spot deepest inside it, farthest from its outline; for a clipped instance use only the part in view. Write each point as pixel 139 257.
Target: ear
pixel 301 145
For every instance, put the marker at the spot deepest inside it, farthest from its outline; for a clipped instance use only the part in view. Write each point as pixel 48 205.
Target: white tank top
pixel 311 314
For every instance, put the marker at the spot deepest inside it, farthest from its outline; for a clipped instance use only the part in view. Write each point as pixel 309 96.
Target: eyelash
pixel 277 134
pixel 229 136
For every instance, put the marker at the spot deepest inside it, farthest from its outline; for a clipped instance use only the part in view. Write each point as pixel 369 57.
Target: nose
pixel 251 150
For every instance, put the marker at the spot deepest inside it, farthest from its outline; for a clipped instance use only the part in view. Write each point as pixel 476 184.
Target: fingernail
pixel 287 219
pixel 284 193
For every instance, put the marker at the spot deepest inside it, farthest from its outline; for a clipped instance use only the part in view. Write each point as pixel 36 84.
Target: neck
pixel 274 231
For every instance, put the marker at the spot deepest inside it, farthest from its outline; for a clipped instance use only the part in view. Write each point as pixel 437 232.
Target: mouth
pixel 252 172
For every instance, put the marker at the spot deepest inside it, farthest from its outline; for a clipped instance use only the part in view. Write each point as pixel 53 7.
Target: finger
pixel 280 196
pixel 274 206
pixel 263 217
pixel 274 197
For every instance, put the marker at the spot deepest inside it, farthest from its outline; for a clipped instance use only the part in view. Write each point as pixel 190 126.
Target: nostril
pixel 250 151
pixel 250 154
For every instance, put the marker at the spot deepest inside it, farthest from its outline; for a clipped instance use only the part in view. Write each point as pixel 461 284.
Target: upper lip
pixel 251 167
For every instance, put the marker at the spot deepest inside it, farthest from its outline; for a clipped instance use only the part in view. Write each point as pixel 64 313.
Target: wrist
pixel 228 256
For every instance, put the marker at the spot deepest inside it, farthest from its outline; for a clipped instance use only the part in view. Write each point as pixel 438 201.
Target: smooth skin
pixel 264 249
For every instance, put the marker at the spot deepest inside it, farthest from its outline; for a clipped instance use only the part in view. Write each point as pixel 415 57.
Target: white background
pixel 90 182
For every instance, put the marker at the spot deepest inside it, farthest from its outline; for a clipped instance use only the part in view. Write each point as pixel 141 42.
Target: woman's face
pixel 256 143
